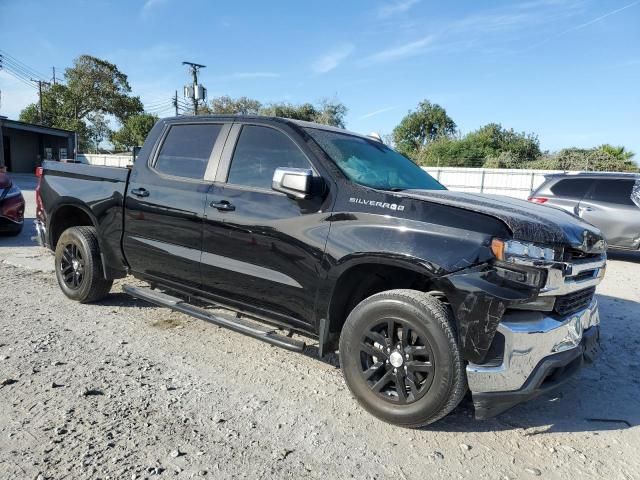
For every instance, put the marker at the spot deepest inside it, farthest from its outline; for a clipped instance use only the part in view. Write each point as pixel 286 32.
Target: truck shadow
pixel 603 396
pixel 121 299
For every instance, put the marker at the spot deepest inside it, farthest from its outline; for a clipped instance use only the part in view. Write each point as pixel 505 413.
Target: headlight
pixel 14 191
pixel 512 249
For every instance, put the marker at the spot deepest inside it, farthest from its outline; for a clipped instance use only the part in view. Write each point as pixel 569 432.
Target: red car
pixel 11 207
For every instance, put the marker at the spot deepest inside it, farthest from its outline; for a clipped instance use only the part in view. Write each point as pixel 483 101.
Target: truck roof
pixel 593 175
pixel 266 119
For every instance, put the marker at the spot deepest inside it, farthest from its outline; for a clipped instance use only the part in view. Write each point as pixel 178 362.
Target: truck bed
pixel 70 189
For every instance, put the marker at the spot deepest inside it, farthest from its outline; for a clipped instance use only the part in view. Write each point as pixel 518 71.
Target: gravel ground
pixel 121 389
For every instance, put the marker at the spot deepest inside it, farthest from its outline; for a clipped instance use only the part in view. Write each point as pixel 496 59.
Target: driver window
pixel 259 151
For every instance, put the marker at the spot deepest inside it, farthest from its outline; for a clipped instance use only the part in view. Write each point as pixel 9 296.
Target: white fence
pixel 498 181
pixel 105 160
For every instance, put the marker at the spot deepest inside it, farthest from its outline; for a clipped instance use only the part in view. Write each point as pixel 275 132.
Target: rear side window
pixel 259 151
pixel 186 150
pixel 571 187
pixel 612 191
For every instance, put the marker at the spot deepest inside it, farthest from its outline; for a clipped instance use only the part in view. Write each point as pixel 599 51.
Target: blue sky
pixel 567 70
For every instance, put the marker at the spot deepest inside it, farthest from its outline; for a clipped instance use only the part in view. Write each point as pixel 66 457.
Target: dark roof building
pixel 23 146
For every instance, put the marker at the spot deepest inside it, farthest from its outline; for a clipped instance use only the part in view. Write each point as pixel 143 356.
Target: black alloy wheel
pixel 78 265
pixel 396 361
pixel 400 357
pixel 72 266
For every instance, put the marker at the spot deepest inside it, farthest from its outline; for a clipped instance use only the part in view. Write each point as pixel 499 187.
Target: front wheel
pixel 78 266
pixel 400 358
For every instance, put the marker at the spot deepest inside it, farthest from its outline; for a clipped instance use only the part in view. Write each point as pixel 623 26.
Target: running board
pixel 239 325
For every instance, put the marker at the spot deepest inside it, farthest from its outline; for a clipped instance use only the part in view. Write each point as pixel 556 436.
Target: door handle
pixel 140 192
pixel 223 206
pixel 585 209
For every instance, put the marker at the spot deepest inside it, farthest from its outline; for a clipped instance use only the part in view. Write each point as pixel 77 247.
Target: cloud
pixel 376 112
pixel 395 8
pixel 332 59
pixel 407 50
pixel 586 24
pixel 488 23
pixel 150 5
pixel 241 75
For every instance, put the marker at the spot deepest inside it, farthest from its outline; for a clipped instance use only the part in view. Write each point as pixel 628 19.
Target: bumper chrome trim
pixel 530 337
pixel 41 232
pixel 563 281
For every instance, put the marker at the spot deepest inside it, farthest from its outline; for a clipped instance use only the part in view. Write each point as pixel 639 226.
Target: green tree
pixel 620 153
pixel 235 106
pixel 134 131
pixel 491 146
pixel 328 112
pixel 97 85
pixel 589 159
pixel 331 112
pixel 92 86
pixel 421 127
pixel 98 129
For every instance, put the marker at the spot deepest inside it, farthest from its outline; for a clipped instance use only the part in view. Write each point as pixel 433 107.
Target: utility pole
pixel 175 102
pixel 195 91
pixel 40 83
pixel 54 75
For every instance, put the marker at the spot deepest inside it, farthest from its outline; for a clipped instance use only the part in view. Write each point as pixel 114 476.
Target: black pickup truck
pixel 305 228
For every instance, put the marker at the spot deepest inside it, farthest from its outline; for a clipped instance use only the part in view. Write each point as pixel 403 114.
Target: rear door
pixel 262 250
pixel 609 207
pixel 165 204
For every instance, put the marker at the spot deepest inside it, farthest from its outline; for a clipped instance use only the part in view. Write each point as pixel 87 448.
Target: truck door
pixel 165 204
pixel 262 250
pixel 609 207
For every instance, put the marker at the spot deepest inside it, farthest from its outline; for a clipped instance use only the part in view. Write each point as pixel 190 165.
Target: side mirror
pixel 295 182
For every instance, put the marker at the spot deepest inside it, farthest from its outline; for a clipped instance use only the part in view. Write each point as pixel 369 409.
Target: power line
pixel 158 107
pixel 159 102
pixel 19 76
pixel 166 102
pixel 31 71
pixel 10 63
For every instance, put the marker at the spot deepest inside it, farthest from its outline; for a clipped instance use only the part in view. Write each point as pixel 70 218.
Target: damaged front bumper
pixel 539 352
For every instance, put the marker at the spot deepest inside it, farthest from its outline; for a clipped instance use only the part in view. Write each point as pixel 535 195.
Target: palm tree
pixel 619 153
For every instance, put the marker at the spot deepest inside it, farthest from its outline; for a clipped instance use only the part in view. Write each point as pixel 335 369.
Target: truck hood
pixel 527 221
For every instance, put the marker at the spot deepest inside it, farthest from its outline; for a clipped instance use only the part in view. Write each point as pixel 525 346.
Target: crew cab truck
pixel 426 293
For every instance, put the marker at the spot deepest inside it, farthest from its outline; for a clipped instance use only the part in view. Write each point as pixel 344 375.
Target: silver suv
pixel 610 201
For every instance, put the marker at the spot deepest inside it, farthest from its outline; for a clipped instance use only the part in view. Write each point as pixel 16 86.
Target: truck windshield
pixel 371 163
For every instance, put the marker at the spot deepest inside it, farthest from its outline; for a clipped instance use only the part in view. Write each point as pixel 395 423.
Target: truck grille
pixel 573 254
pixel 573 302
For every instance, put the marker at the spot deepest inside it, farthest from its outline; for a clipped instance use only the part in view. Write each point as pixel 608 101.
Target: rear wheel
pixel 78 266
pixel 400 358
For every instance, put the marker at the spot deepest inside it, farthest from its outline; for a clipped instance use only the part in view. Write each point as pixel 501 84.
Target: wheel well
pixel 362 281
pixel 66 217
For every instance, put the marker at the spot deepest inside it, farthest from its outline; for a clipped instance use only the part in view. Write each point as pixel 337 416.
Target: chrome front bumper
pixel 529 338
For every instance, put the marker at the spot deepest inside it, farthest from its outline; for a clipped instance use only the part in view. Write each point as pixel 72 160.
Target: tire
pixel 13 231
pixel 84 281
pixel 428 366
